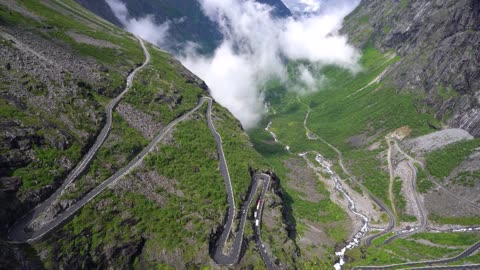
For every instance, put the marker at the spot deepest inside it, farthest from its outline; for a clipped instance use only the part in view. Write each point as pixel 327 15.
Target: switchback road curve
pixel 258 225
pixel 421 208
pixel 17 233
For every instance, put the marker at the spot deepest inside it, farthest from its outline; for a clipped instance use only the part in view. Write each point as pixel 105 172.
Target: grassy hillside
pixel 354 112
pixel 423 246
pixel 344 107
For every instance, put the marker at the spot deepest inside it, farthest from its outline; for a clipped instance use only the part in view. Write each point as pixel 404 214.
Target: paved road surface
pixel 421 208
pixel 17 233
pixel 234 254
pixel 462 255
pixel 450 267
pixel 257 229
pixel 430 177
pixel 391 217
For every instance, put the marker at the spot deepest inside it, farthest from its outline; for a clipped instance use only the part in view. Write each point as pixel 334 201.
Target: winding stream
pixel 326 167
pixel 267 128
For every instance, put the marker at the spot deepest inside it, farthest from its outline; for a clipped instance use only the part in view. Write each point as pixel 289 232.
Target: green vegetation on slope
pixel 47 167
pixel 329 216
pixel 192 160
pixel 440 163
pixel 449 239
pixel 59 118
pixel 174 201
pixel 63 24
pixel 400 202
pixel 433 246
pixel 465 221
pixel 164 89
pixel 467 179
pixel 121 146
pixel 344 107
pixel 405 250
pixel 238 153
pixel 176 220
pixel 423 183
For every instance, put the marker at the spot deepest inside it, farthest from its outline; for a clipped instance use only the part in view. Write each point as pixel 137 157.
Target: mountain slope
pixel 61 65
pixel 390 127
pixel 437 42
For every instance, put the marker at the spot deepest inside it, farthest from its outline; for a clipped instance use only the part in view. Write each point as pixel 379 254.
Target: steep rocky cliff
pixel 438 42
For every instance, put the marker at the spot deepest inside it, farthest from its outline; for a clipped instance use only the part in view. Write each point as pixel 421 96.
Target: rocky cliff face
pixel 438 42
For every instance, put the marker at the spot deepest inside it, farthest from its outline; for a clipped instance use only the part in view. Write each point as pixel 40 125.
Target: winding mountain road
pixel 469 251
pixel 450 267
pixel 235 250
pixel 435 181
pixel 20 233
pixel 391 179
pixel 421 208
pixel 423 216
pixel 258 226
pixel 17 232
pixel 383 207
pixel 234 255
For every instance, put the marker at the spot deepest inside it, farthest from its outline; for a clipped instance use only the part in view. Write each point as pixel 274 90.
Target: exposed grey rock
pixel 139 120
pixel 436 140
pixel 79 38
pixel 438 43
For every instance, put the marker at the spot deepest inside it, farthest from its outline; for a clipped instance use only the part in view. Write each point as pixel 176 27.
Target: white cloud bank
pixel 306 7
pixel 145 27
pixel 256 47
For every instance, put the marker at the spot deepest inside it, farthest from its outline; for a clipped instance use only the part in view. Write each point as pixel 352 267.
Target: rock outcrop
pixel 438 45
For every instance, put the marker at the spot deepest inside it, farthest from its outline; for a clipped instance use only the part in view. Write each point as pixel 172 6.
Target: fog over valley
pixel 245 60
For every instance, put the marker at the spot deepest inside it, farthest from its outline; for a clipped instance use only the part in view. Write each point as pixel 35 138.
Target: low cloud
pixel 256 48
pixel 145 27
